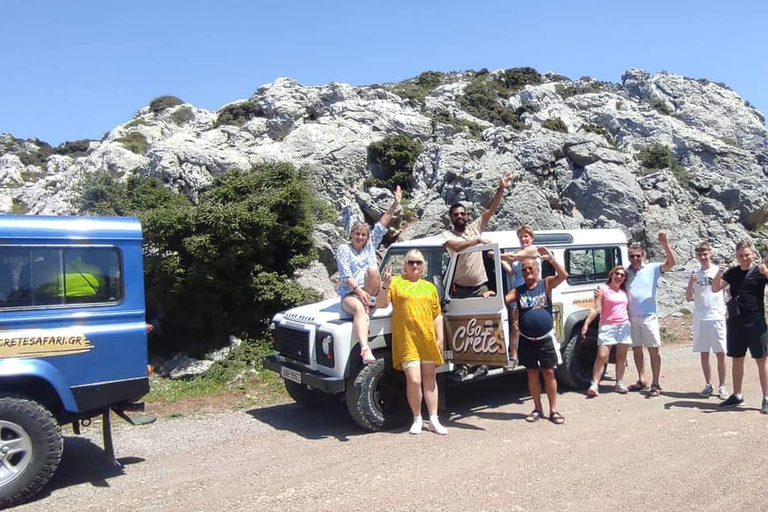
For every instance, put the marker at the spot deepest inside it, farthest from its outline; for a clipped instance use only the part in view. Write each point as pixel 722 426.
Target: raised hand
pixel 386 277
pixel 398 195
pixel 544 253
pixel 663 238
pixel 694 277
pixel 506 180
pixel 763 269
pixel 723 266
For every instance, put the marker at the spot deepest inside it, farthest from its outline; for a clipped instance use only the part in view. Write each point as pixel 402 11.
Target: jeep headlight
pixel 324 349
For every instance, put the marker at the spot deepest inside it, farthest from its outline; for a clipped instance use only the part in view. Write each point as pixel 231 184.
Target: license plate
pixel 290 374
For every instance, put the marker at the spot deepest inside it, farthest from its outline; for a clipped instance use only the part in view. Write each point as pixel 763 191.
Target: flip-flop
pixel 534 416
pixel 556 418
pixel 655 390
pixel 637 386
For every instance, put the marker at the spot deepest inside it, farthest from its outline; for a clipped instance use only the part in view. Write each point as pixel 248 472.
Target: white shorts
pixel 709 336
pixel 415 362
pixel 614 334
pixel 645 331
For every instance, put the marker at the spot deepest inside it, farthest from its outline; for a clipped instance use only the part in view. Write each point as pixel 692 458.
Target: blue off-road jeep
pixel 73 338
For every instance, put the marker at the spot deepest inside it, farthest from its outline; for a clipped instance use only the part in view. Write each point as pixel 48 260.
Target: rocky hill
pixel 652 152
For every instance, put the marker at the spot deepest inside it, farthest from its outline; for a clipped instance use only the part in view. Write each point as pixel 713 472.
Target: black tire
pixel 308 397
pixel 30 428
pixel 578 360
pixel 376 397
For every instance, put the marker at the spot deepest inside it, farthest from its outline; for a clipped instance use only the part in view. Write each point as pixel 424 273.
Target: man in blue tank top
pixel 538 350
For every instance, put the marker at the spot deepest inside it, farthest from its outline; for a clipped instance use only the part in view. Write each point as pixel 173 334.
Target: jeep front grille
pixel 292 344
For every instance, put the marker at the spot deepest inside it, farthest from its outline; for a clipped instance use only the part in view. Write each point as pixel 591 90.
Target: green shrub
pixel 482 94
pixel 658 156
pixel 161 103
pixel 555 124
pixel 575 88
pixel 76 148
pixel 37 156
pixel 600 130
pixel 516 78
pixel 133 123
pixel 239 113
pixel 18 208
pixel 418 88
pixel 223 266
pixel 136 142
pixel 395 156
pixel 659 106
pixel 475 130
pixel 182 115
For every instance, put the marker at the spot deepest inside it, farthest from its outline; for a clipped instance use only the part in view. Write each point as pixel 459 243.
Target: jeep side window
pixel 38 276
pixel 435 260
pixel 590 265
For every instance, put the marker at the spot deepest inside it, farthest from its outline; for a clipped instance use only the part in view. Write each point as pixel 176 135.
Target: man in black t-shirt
pixel 745 327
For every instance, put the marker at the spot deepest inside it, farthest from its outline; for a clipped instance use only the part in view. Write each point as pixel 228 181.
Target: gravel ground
pixel 675 452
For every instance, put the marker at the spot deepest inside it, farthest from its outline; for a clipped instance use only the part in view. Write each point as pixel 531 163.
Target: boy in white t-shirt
pixel 708 319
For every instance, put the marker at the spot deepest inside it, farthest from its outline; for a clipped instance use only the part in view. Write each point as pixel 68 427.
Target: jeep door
pixel 477 328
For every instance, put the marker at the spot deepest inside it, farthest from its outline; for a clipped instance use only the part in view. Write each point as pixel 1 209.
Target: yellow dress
pixel 414 309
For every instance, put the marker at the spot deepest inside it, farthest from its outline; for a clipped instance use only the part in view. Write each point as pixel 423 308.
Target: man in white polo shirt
pixel 641 289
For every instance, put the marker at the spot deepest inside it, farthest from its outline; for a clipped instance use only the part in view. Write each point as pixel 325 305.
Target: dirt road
pixel 675 452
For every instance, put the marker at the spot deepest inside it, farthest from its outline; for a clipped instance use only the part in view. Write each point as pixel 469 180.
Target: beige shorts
pixel 645 331
pixel 709 336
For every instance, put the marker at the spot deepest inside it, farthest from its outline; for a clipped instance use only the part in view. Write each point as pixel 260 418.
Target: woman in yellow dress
pixel 417 336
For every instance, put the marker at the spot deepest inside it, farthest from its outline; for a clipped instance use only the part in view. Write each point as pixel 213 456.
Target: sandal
pixel 556 418
pixel 534 416
pixel 367 354
pixel 638 386
pixel 655 390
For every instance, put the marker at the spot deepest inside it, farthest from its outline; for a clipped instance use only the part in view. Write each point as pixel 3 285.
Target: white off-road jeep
pixel 316 358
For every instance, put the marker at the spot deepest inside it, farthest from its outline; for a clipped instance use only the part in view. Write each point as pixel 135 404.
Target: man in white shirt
pixel 708 320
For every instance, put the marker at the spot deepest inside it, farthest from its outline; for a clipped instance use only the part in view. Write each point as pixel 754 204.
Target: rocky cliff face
pixel 583 154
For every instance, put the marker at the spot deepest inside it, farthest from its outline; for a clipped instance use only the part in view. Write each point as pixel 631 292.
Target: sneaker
pixel 722 392
pixel 435 426
pixel 592 391
pixel 480 371
pixel 764 408
pixel 732 401
pixel 418 423
pixel 707 391
pixel 460 373
pixel 621 388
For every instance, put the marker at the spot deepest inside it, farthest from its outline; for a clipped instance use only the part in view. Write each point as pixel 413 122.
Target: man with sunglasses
pixel 642 283
pixel 470 279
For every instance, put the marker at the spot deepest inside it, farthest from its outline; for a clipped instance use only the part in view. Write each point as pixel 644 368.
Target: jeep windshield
pixel 436 260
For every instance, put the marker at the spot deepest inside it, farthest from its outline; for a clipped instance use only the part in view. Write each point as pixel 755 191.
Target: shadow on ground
pixel 84 461
pixel 478 399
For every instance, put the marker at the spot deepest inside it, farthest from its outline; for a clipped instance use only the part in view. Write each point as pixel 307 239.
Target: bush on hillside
pixel 182 115
pixel 223 266
pixel 418 88
pixel 238 114
pixel 555 124
pixel 483 94
pixel 74 148
pixel 658 156
pixel 394 156
pixel 135 141
pixel 161 103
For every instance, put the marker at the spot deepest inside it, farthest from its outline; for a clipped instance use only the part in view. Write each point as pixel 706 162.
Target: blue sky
pixel 76 69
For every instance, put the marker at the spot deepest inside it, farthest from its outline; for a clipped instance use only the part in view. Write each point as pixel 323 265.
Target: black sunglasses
pixel 633 256
pixel 415 262
pixel 459 214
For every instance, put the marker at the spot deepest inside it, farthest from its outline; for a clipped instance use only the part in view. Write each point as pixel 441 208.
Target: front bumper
pixel 313 379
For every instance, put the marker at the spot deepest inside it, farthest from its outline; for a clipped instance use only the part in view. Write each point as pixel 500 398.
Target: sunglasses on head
pixel 415 262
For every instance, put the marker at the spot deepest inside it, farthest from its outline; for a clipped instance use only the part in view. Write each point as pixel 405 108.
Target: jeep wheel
pixel 376 397
pixel 578 360
pixel 30 449
pixel 309 397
